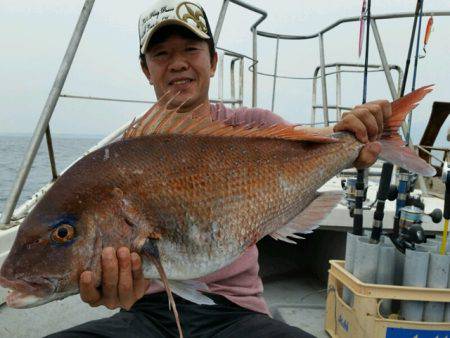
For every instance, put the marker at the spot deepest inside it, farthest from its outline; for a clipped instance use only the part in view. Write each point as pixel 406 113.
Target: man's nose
pixel 178 63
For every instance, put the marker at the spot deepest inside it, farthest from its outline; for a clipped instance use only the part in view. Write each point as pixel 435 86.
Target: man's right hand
pixel 123 281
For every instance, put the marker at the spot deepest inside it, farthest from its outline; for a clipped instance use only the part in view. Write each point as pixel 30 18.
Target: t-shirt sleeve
pixel 247 115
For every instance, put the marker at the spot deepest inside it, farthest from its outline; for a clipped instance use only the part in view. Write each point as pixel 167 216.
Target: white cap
pixel 173 12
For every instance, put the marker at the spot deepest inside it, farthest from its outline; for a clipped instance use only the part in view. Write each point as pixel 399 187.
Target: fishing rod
pixel 382 196
pixel 358 211
pixel 404 176
pixel 411 43
pixel 416 61
pixel 407 229
pixel 446 180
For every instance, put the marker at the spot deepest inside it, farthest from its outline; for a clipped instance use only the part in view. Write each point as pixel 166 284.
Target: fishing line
pixel 358 212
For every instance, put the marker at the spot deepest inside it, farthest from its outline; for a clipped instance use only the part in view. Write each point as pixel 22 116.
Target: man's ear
pixel 213 65
pixel 145 70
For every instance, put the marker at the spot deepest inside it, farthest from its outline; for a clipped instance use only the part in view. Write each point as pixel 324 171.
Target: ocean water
pixel 12 149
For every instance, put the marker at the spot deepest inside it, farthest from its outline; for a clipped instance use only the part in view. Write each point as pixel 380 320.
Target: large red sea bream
pixel 188 194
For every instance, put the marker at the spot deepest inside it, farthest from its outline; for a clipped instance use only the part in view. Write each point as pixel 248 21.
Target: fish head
pixel 50 252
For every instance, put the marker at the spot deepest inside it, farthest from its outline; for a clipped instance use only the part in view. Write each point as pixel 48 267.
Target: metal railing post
pixel 51 154
pixel 232 80
pixel 338 92
pixel 314 97
pixel 47 112
pixel 241 82
pixel 220 77
pixel 323 81
pixel 255 70
pixel 252 29
pixel 275 73
pixel 220 21
pixel 384 63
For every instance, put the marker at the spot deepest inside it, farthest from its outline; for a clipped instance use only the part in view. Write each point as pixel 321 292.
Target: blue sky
pixel 35 34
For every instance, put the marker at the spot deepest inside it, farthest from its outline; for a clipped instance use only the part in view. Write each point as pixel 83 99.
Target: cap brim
pixel 170 22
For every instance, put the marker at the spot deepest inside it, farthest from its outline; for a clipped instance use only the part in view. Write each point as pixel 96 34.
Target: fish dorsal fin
pixel 161 120
pixel 309 218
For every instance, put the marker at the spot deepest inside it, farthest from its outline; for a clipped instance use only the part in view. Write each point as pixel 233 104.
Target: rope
pixel 444 238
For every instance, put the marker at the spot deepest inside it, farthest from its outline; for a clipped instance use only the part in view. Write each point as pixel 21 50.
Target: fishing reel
pixel 350 193
pixel 411 231
pixel 409 179
pixel 446 180
pixel 445 170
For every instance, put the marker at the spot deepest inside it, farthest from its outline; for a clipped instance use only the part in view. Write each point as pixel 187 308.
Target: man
pixel 178 56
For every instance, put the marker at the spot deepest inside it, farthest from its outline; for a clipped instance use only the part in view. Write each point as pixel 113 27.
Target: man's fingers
pixel 376 111
pixel 353 124
pixel 88 292
pixel 125 286
pixel 140 283
pixel 110 272
pixel 369 122
pixel 368 155
pixel 385 106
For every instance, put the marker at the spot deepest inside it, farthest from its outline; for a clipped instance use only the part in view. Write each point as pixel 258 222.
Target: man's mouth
pixel 180 81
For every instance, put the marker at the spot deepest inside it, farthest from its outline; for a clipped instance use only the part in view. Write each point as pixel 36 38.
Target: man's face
pixel 180 65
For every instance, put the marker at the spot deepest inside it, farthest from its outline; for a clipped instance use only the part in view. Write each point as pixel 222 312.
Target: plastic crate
pixel 363 319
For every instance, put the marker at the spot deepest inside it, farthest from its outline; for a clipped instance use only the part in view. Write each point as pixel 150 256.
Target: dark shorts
pixel 150 317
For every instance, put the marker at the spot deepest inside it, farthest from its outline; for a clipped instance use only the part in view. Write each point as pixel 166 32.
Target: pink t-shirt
pixel 239 282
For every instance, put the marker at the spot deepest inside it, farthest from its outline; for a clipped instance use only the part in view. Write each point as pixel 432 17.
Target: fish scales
pixel 181 185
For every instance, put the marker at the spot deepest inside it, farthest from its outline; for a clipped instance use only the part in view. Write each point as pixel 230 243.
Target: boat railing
pixel 352 68
pixel 320 36
pixel 430 149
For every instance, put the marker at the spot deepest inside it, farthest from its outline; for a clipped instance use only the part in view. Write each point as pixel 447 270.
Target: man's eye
pixel 159 54
pixel 192 49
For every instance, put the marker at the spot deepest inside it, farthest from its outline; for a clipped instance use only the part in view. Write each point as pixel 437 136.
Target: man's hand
pixel 123 281
pixel 366 122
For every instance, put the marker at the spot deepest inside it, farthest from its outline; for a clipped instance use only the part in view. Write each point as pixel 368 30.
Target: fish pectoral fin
pixel 133 212
pixel 150 250
pixel 309 219
pixel 191 290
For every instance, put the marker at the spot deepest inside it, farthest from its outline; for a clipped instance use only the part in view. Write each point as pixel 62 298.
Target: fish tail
pixel 393 149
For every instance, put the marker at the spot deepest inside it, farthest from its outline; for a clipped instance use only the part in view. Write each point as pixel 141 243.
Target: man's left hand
pixel 366 122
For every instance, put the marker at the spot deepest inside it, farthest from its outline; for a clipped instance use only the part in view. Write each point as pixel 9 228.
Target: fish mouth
pixel 28 291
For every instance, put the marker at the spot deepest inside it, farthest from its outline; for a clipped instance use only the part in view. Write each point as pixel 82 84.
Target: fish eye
pixel 63 233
